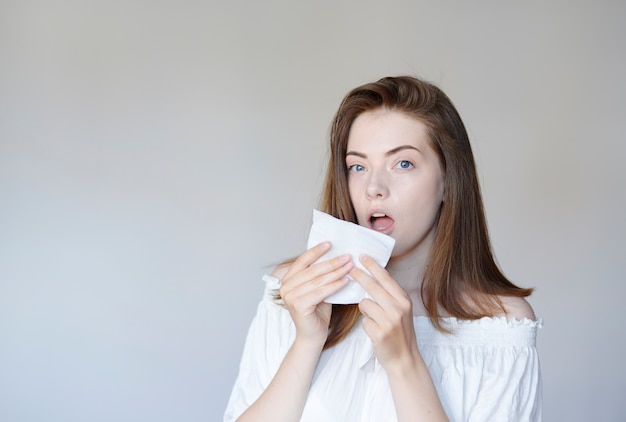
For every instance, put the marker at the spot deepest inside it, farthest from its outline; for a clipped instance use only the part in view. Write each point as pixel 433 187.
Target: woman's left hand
pixel 387 316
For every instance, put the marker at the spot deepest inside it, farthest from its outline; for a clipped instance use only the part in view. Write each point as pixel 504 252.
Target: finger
pixel 296 277
pixel 316 295
pixel 318 276
pixel 371 328
pixel 395 302
pixel 309 257
pixel 380 322
pixel 371 310
pixel 371 286
pixel 382 276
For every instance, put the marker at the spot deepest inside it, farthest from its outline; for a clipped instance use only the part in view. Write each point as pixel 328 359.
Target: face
pixel 395 179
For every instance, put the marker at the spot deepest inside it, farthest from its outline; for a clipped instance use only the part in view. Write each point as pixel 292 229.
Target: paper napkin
pixel 352 239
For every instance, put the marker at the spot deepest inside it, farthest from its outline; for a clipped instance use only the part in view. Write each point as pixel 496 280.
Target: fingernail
pixel 363 258
pixel 344 258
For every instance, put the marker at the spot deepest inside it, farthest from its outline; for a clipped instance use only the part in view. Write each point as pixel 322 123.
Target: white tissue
pixel 352 239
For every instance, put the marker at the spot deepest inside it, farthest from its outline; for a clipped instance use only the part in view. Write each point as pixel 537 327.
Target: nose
pixel 378 186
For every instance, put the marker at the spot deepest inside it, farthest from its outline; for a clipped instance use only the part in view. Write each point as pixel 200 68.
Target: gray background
pixel 157 157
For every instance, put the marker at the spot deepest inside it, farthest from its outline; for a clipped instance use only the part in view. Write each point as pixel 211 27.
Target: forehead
pixel 386 129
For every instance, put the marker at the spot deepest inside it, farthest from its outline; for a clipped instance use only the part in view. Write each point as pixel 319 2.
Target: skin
pixel 392 170
pixel 304 286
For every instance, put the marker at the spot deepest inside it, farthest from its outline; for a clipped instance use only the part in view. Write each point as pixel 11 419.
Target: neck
pixel 409 266
pixel 408 271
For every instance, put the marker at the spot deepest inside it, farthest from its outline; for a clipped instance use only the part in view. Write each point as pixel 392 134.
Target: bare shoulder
pixel 517 307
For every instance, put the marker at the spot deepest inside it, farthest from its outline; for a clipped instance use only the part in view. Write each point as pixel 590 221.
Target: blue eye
pixel 404 164
pixel 356 168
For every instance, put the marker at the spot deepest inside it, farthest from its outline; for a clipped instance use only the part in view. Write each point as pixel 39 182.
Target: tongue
pixel 381 223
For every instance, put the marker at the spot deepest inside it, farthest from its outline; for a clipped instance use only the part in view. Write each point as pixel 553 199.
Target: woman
pixel 444 335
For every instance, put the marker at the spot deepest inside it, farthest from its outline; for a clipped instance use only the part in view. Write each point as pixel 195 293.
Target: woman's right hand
pixel 304 287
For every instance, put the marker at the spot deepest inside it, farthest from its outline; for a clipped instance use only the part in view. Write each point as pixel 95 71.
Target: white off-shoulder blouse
pixel 487 370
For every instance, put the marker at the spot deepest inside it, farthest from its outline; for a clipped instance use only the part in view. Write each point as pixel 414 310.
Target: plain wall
pixel 157 157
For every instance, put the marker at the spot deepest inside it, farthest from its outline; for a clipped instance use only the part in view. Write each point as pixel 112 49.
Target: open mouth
pixel 381 222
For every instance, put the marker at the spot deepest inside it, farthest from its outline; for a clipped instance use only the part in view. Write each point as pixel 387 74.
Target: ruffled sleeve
pixel 487 370
pixel 269 338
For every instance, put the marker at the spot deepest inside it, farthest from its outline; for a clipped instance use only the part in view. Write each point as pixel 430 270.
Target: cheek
pixel 438 197
pixel 354 188
pixel 351 190
pixel 427 197
pixel 437 188
pixel 441 188
pixel 352 196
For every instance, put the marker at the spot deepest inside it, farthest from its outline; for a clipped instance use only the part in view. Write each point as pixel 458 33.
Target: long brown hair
pixel 461 278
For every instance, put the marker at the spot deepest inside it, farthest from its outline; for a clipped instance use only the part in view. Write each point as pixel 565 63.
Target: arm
pixel 303 288
pixel 414 393
pixel 388 321
pixel 284 398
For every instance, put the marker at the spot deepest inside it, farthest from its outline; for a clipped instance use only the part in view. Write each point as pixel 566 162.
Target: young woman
pixel 445 335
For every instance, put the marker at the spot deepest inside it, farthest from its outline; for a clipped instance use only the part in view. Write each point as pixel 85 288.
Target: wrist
pixel 309 344
pixel 411 365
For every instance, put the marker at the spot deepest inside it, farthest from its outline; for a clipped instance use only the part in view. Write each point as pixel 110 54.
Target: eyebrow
pixel 388 153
